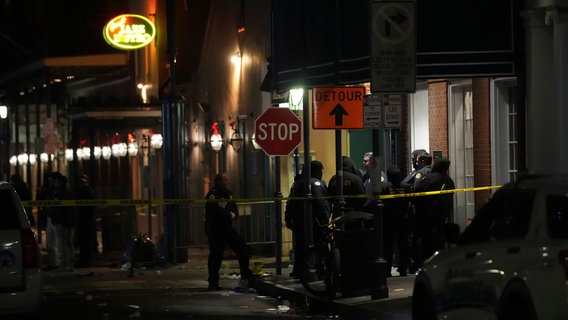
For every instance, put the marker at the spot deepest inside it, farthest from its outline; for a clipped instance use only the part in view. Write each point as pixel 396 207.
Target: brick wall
pixel 438 116
pixel 481 138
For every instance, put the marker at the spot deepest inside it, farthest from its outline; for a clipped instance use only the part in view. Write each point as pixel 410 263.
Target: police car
pixel 21 281
pixel 511 262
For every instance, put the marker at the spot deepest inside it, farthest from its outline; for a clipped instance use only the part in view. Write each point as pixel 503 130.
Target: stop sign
pixel 278 131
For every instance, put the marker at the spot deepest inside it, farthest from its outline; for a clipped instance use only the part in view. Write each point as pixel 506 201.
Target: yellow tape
pixel 158 202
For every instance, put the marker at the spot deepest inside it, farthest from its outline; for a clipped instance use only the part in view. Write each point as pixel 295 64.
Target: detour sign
pixel 338 107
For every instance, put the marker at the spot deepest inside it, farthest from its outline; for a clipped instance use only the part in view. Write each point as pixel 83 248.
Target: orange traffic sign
pixel 338 107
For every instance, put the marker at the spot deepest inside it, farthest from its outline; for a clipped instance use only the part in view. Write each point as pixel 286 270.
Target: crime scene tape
pixel 158 202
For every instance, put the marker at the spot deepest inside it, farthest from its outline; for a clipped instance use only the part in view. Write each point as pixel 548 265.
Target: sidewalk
pixel 107 274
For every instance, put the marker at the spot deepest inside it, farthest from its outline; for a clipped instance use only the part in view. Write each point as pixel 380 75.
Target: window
pixel 557 216
pixel 9 213
pixel 505 216
pixel 512 213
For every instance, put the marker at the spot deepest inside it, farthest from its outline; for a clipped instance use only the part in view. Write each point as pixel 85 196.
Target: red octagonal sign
pixel 278 131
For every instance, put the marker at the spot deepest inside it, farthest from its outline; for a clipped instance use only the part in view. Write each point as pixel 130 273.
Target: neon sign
pixel 129 31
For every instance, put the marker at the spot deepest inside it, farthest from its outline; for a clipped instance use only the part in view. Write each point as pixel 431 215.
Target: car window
pixel 557 216
pixel 9 213
pixel 512 215
pixel 505 216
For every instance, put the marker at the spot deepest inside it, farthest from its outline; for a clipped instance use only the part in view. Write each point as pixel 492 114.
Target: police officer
pixel 352 186
pixel 294 214
pixel 396 221
pixel 424 167
pixel 415 166
pixel 220 212
pixel 421 168
pixel 432 211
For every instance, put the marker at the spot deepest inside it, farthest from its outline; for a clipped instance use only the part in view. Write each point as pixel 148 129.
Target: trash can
pixel 117 228
pixel 357 247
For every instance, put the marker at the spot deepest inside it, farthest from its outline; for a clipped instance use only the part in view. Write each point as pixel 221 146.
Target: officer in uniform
pixel 220 212
pixel 415 166
pixel 352 186
pixel 421 162
pixel 294 214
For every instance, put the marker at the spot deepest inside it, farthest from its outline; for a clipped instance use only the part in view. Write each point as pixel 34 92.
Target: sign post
pixel 278 131
pixel 393 46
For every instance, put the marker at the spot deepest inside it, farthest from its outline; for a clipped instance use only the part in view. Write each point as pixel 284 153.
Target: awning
pixel 327 42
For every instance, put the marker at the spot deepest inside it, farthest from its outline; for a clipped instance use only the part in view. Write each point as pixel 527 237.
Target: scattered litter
pixel 136 314
pixel 126 266
pixel 283 309
pixel 88 297
pixel 159 272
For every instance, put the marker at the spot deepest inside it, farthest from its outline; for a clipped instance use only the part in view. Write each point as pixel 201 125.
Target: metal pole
pixel 308 232
pixel 175 221
pixel 278 211
pixel 379 287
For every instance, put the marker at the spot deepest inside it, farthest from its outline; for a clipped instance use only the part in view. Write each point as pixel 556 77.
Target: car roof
pixel 552 184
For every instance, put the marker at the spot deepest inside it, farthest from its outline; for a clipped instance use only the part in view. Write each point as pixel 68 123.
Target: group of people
pixel 416 224
pixel 64 225
pixel 411 225
pixel 67 225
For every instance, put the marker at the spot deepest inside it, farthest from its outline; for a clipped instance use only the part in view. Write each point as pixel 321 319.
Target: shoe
pixel 214 288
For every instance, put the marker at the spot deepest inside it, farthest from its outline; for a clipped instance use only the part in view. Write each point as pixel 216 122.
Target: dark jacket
pixel 395 209
pixel 436 208
pixel 352 186
pixel 63 215
pixel 218 209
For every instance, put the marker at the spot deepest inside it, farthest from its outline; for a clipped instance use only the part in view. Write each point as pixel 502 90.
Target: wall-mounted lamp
pixel 3 112
pixel 156 141
pixel 44 157
pixel 236 138
pixel 216 140
pixel 106 152
pixel 132 149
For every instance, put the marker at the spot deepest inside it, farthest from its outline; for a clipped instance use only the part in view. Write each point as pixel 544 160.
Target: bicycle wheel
pixel 314 273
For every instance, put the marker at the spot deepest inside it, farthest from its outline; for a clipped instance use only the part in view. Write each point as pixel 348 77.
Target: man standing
pixel 220 212
pixel 433 210
pixel 85 224
pixel 294 214
pixel 419 171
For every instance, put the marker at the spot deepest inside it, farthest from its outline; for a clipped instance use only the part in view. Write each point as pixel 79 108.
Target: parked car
pixel 21 280
pixel 511 262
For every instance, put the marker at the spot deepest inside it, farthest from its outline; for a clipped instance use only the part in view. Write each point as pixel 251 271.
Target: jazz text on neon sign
pixel 129 31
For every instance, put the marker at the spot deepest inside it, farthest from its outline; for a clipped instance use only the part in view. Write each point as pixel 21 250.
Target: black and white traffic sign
pixel 382 111
pixel 393 46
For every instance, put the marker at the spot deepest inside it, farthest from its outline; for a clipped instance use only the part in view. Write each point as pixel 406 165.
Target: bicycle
pixel 321 274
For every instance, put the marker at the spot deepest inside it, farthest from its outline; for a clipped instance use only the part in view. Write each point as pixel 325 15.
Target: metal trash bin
pixel 356 244
pixel 117 228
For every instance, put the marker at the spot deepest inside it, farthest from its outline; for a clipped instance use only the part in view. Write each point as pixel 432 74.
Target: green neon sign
pixel 129 32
